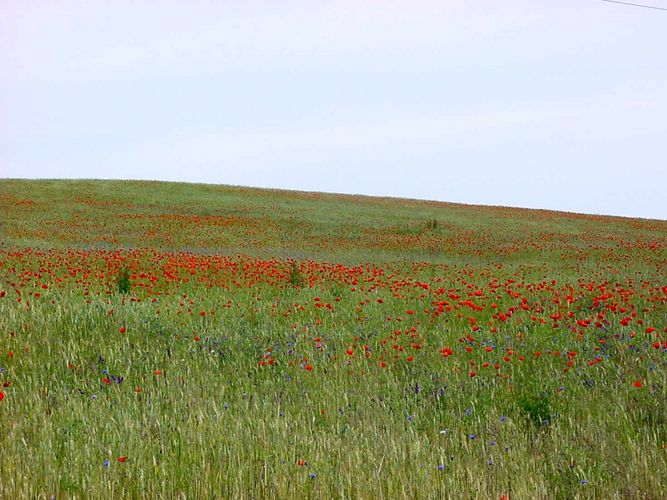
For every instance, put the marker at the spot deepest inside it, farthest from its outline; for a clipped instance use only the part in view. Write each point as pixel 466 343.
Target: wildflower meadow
pixel 163 340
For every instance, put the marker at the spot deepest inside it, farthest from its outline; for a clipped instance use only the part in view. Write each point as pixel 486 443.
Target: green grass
pixel 290 345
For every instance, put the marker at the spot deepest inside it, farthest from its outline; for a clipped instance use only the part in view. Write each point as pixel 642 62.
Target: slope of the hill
pixel 269 223
pixel 162 340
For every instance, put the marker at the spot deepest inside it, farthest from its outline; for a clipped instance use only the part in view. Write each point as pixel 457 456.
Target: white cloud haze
pixel 555 105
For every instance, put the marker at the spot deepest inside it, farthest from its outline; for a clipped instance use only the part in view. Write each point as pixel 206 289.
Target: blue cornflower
pixel 312 475
pixel 583 482
pixel 503 418
pixel 441 467
pixel 106 464
pixel 467 412
pixel 472 436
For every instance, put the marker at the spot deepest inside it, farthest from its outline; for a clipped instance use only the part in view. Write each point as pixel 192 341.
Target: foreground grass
pixel 238 376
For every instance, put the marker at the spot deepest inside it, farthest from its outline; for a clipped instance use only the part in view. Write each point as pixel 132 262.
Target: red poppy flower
pixel 638 384
pixel 2 395
pixel 122 459
pixel 122 329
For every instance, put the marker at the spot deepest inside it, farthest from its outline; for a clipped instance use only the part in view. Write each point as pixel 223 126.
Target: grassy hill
pixel 160 339
pixel 223 219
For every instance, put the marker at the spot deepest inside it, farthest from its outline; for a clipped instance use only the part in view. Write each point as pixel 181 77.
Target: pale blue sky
pixel 556 104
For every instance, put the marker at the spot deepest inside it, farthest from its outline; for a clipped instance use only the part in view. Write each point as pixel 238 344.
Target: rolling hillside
pixel 164 340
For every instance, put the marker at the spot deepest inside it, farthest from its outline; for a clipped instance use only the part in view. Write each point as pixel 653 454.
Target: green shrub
pixel 536 408
pixel 123 280
pixel 295 278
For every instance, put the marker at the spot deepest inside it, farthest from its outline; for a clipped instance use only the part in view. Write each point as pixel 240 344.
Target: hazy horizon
pixel 547 105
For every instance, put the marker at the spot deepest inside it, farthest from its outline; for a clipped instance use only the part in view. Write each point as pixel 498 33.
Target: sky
pixel 556 104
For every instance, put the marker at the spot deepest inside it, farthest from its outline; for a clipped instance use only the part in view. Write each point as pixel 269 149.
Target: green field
pixel 181 340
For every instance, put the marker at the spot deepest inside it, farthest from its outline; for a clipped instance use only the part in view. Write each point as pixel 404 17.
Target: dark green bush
pixel 295 278
pixel 123 280
pixel 536 408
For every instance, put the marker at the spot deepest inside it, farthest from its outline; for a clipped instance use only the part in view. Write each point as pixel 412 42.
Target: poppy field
pixel 166 340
